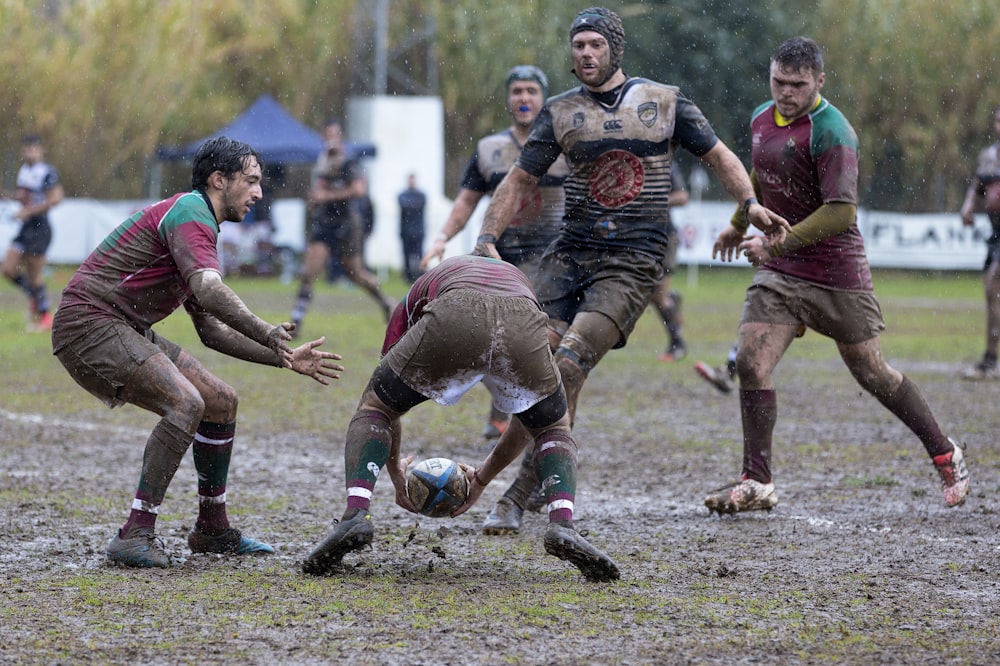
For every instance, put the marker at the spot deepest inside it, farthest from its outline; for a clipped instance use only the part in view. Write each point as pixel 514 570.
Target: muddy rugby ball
pixel 437 486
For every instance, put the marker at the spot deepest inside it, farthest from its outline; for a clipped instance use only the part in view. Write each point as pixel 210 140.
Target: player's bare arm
pixel 973 201
pixel 396 464
pixel 223 303
pixel 509 193
pixel 734 177
pixel 510 445
pixel 461 211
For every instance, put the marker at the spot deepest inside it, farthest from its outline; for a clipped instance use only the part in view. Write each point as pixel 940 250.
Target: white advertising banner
pixel 935 241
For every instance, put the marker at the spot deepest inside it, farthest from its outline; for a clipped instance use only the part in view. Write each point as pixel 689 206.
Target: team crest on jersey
pixel 578 120
pixel 647 112
pixel 790 147
pixel 616 179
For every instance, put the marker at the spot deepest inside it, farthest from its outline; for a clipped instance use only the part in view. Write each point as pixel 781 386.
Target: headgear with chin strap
pixel 607 24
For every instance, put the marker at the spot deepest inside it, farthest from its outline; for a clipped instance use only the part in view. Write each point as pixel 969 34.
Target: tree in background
pixel 106 81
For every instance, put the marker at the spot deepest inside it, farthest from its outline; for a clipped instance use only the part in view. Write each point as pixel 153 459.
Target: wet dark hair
pixel 31 140
pixel 799 53
pixel 221 154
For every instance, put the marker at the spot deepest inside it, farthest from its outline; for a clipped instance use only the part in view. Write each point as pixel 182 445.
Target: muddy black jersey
pixel 619 160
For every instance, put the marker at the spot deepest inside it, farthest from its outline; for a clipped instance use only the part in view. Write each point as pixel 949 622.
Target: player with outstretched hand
pixel 618 134
pixel 162 258
pixel 468 320
pixel 805 167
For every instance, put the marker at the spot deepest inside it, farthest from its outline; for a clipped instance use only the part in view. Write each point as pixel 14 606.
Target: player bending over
pixel 468 320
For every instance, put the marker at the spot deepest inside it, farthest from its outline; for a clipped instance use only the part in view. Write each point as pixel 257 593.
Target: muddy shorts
pixel 105 357
pixel 615 284
pixel 465 337
pixel 34 237
pixel 849 317
pixel 343 235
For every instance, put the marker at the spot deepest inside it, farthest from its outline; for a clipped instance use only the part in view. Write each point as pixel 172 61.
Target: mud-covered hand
pixel 310 361
pixel 436 253
pixel 756 249
pixel 486 246
pixel 277 341
pixel 397 473
pixel 476 487
pixel 767 221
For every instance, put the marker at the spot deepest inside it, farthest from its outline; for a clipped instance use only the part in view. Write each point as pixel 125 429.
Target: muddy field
pixel 859 563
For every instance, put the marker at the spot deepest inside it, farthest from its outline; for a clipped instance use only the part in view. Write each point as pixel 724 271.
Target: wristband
pixel 746 205
pixel 486 238
pixel 442 237
pixel 475 477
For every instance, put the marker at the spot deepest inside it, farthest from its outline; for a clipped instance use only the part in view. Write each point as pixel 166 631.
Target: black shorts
pixel 34 237
pixel 343 235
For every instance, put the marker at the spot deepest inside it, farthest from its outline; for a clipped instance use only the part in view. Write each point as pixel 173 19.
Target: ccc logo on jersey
pixel 616 179
pixel 613 125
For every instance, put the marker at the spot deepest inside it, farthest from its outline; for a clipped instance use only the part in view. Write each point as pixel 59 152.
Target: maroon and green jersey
pixel 483 274
pixel 800 166
pixel 140 272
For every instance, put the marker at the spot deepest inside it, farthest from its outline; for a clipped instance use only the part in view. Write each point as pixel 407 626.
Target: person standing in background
pixel 984 194
pixel 411 227
pixel 38 190
pixel 336 226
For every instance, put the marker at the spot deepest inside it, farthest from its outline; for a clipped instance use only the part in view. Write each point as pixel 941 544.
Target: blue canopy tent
pixel 273 132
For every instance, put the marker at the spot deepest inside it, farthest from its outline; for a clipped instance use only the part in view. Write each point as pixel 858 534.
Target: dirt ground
pixel 860 562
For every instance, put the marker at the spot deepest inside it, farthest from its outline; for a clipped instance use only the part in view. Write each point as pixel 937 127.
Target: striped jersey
pixel 619 155
pixel 540 212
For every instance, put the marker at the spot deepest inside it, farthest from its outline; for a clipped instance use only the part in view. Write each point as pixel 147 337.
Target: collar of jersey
pixel 781 121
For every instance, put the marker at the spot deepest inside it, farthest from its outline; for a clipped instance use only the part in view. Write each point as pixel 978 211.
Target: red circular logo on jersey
pixel 529 209
pixel 616 179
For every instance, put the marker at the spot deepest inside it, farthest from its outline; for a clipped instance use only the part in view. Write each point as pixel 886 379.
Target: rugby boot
pixel 954 474
pixel 230 541
pixel 505 518
pixel 141 549
pixel 353 532
pixel 985 370
pixel 721 377
pixel 563 541
pixel 744 495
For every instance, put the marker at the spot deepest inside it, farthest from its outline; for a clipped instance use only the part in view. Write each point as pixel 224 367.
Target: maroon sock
pixel 909 406
pixel 759 410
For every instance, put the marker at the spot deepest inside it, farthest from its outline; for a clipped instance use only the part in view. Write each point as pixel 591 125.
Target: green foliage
pixel 107 81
